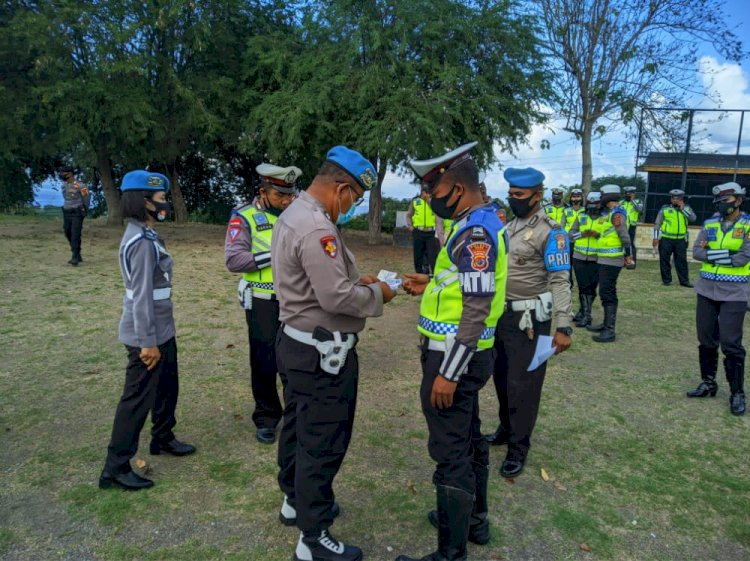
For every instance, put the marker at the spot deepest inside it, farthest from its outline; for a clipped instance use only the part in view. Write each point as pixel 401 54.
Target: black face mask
pixel 521 207
pixel 593 209
pixel 161 212
pixel 557 199
pixel 439 205
pixel 725 209
pixel 576 202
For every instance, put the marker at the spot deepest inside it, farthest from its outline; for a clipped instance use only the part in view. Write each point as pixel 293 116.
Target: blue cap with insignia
pixel 283 180
pixel 142 180
pixel 355 164
pixel 429 171
pixel 524 178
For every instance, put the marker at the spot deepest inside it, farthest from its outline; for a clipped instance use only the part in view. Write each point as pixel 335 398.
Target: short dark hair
pixel 133 204
pixel 466 173
pixel 332 172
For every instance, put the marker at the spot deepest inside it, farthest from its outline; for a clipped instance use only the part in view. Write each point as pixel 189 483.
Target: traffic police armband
pixel 476 264
pixel 557 252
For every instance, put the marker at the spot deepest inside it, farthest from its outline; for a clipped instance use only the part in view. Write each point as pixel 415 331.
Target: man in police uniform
pixel 571 212
pixel 671 235
pixel 460 307
pixel 583 237
pixel 323 303
pixel 247 250
pixel 537 290
pixel 633 207
pixel 556 210
pixel 723 246
pixel 76 201
pixel 421 223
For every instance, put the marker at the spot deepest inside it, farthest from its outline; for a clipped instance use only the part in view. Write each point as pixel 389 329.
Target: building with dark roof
pixel 702 172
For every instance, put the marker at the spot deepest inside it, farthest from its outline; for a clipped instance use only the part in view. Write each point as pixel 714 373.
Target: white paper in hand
pixel 543 351
pixel 390 278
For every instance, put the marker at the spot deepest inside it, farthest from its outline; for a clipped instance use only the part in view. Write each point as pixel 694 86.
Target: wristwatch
pixel 565 330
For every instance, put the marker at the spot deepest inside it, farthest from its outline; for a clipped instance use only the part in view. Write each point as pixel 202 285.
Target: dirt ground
pixel 636 470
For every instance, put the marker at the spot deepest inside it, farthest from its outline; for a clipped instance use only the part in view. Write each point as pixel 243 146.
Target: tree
pixel 612 57
pixel 393 84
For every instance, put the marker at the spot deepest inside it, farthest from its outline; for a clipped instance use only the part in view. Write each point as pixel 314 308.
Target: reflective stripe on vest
pixel 423 215
pixel 261 230
pixel 674 226
pixel 609 243
pixel 442 302
pixel 587 246
pixel 731 240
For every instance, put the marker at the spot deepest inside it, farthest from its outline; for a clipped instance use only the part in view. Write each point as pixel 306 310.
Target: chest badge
pixel 738 233
pixel 528 235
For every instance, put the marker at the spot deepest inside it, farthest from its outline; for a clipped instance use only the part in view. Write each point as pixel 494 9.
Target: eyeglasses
pixel 359 201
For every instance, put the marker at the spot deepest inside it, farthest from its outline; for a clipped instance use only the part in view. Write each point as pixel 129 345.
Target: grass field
pixel 636 470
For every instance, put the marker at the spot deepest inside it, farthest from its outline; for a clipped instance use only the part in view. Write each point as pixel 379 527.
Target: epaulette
pixel 712 219
pixel 149 234
pixel 243 206
pixel 554 224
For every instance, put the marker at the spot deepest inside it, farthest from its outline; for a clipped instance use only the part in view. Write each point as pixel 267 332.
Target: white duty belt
pixel 332 352
pixel 159 293
pixel 348 341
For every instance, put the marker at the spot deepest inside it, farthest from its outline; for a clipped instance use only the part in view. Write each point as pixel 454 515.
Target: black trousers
pixel 518 391
pixel 455 437
pixel 155 390
pixel 633 249
pixel 587 276
pixel 262 326
pixel 73 226
pixel 425 251
pixel 720 323
pixel 608 283
pixel 678 248
pixel 316 431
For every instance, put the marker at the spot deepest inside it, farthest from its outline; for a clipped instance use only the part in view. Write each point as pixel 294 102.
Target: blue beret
pixel 524 178
pixel 142 180
pixel 355 164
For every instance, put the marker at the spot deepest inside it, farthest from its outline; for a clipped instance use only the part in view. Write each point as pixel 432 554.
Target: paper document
pixel 390 278
pixel 543 351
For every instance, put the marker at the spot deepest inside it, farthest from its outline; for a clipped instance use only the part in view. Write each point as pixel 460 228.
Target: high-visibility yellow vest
pixel 442 304
pixel 588 246
pixel 423 215
pixel 570 216
pixel 261 229
pixel 731 240
pixel 608 243
pixel 675 223
pixel 631 211
pixel 555 212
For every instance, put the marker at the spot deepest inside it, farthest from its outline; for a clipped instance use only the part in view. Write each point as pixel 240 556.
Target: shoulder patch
pixel 330 246
pixel 557 252
pixel 617 219
pixel 479 252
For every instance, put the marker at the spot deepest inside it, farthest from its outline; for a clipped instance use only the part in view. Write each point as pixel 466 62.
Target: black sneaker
pixel 325 547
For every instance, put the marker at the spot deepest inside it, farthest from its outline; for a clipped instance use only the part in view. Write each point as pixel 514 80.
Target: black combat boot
pixel 607 334
pixel 581 311
pixel 588 302
pixel 479 527
pixel 735 370
pixel 454 515
pixel 74 259
pixel 598 326
pixel 708 359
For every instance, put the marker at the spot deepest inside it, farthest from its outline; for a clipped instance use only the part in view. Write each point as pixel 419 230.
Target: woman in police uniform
pixel 724 248
pixel 585 255
pixel 147 330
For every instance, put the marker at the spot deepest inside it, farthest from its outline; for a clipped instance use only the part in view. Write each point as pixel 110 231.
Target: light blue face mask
pixel 345 218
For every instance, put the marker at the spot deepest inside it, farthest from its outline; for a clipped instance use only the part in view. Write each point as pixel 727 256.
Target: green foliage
pixel 621 180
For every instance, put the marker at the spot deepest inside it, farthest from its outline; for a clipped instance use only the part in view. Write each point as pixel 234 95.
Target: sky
pixel 612 155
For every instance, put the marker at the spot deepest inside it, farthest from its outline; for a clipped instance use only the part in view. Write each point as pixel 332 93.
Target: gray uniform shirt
pixel 620 222
pixel 527 273
pixel 315 275
pixel 719 290
pixel 146 265
pixel 238 254
pixel 75 195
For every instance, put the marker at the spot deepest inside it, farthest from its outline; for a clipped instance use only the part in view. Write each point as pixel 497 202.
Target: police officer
pixel 247 250
pixel 460 307
pixel 537 290
pixel 633 207
pixel 585 254
pixel 671 237
pixel 723 246
pixel 148 332
pixel 76 201
pixel 556 209
pixel 421 223
pixel 323 303
pixel 613 253
pixel 574 209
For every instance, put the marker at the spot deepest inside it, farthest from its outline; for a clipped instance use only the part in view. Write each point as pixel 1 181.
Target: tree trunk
pixel 111 193
pixel 586 168
pixel 178 201
pixel 376 206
